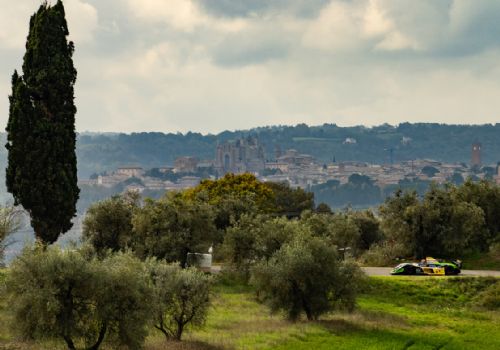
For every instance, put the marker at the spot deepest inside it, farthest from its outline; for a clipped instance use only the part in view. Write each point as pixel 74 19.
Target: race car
pixel 429 266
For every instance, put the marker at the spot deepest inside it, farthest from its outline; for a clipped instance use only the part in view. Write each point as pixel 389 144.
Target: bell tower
pixel 476 154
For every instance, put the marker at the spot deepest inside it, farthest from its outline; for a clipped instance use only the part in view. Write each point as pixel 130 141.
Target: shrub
pixel 353 280
pixel 338 229
pixel 180 299
pixel 64 294
pixel 108 224
pixel 257 237
pixel 172 227
pixel 369 228
pixel 304 275
pixel 383 254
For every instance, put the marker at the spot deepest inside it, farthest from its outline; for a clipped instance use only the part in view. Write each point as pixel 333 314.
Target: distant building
pixel 111 180
pixel 186 164
pixel 120 175
pixel 130 171
pixel 166 169
pixel 240 156
pixel 205 164
pixel 476 154
pixel 350 141
pixel 293 157
pixel 283 167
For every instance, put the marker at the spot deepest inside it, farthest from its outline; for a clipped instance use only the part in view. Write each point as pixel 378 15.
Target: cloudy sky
pixel 211 65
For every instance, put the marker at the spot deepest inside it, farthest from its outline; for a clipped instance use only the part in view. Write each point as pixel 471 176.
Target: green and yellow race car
pixel 429 266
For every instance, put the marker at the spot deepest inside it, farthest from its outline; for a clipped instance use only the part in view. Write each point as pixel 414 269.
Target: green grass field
pixel 393 313
pixel 483 261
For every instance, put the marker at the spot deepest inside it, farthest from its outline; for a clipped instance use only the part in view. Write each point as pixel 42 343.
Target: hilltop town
pixel 247 155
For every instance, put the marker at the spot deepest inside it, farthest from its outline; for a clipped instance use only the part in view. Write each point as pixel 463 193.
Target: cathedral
pixel 245 155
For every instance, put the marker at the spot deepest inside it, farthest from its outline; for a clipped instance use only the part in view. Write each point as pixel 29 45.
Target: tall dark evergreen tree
pixel 41 173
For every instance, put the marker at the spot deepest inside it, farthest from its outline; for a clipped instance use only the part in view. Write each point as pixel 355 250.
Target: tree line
pixel 301 258
pixel 446 143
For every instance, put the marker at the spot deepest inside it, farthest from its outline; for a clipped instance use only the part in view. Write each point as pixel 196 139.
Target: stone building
pixel 186 164
pixel 476 154
pixel 130 171
pixel 292 157
pixel 240 156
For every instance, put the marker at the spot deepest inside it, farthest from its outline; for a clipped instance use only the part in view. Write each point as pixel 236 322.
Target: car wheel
pixel 411 270
pixel 448 270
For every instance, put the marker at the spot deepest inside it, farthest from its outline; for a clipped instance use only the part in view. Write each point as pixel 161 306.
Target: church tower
pixel 476 154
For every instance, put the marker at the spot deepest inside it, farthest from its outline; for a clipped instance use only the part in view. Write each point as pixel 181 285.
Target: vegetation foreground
pixel 392 313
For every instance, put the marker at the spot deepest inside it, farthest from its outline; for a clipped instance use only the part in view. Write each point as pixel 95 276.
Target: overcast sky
pixel 211 65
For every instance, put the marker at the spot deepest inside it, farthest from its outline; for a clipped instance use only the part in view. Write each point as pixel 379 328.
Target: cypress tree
pixel 41 172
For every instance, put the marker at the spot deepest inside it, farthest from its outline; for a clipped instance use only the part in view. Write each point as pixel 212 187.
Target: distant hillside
pixel 449 143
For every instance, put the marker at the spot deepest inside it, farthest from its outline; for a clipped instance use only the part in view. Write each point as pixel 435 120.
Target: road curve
pixel 386 271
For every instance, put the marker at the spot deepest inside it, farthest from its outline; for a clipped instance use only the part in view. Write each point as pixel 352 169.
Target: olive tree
pixel 442 225
pixel 338 229
pixel 256 237
pixel 108 224
pixel 305 276
pixel 81 300
pixel 172 227
pixel 444 222
pixel 180 298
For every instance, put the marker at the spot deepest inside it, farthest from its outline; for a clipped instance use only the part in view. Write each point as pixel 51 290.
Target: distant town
pixel 247 155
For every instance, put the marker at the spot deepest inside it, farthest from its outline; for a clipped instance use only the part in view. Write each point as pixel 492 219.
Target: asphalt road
pixel 386 271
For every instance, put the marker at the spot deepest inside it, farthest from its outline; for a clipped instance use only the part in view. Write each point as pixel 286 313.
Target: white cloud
pixel 182 15
pixel 357 26
pixel 14 19
pixel 375 22
pixel 338 27
pixel 172 65
pixel 378 25
pixel 395 40
pixel 15 15
pixel 82 20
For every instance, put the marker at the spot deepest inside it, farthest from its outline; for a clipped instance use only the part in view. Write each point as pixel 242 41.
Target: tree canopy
pixel 41 172
pixel 305 276
pixel 172 227
pixel 80 299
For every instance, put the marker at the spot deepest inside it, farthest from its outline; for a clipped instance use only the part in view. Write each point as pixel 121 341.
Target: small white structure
pixel 350 141
pixel 201 261
pixel 406 140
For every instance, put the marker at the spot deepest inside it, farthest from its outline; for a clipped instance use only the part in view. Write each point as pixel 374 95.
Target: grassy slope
pixel 394 313
pixel 480 261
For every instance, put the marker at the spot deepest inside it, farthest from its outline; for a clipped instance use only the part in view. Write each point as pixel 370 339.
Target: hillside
pixel 449 143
